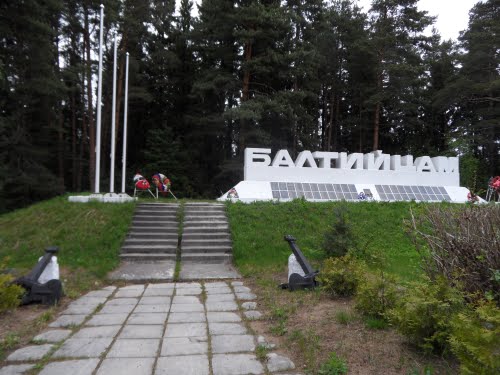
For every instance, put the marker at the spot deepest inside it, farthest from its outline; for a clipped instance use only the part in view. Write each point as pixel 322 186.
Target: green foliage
pixel 339 239
pixel 424 314
pixel 9 294
pixel 375 323
pixel 307 343
pixel 376 295
pixel 475 339
pixel 344 317
pixel 341 276
pixel 334 366
pixel 9 342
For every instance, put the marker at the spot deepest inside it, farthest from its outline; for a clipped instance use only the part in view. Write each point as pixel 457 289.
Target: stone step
pixel 190 204
pixel 155 229
pixel 150 249
pixel 206 249
pixel 157 204
pixel 205 218
pixel 206 242
pixel 147 257
pixel 153 235
pixel 151 241
pixel 206 258
pixel 211 229
pixel 206 236
pixel 172 215
pixel 197 211
pixel 204 223
pixel 154 223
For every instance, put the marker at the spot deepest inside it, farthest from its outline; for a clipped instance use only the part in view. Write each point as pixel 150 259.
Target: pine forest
pixel 209 79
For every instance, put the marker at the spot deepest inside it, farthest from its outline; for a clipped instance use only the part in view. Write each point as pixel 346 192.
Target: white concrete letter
pixel 376 160
pixel 325 158
pixel 283 159
pixel 305 157
pixel 402 163
pixel 351 161
pixel 442 164
pixel 257 156
pixel 424 164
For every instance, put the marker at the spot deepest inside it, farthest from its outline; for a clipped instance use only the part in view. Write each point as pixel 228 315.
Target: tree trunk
pixel 245 94
pixel 90 109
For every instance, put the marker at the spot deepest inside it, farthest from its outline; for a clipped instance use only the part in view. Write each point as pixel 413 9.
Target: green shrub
pixel 424 314
pixel 9 294
pixel 339 239
pixel 475 339
pixel 334 366
pixel 376 295
pixel 341 276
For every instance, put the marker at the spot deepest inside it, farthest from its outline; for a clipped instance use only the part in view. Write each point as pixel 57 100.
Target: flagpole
pixel 113 124
pixel 99 99
pixel 125 113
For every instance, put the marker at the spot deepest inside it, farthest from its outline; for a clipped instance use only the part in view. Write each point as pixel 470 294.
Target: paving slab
pixel 183 365
pixel 146 318
pixel 249 305
pixel 152 309
pixel 214 298
pixel 54 335
pixel 197 271
pixel 187 307
pixel 226 329
pixel 74 367
pixel 162 300
pixel 219 290
pixel 138 348
pixel 187 317
pixel 106 319
pixel 261 341
pixel 236 364
pixel 252 315
pixel 126 366
pixel 30 353
pixel 186 299
pixel 133 287
pixel 246 296
pixel 161 286
pixel 129 293
pixel 237 283
pixel 160 270
pixel 68 320
pixel 97 332
pixel 215 284
pixel 188 291
pixel 174 346
pixel 142 332
pixel 187 285
pixel 79 310
pixel 122 301
pixel 186 330
pixel 117 309
pixel 221 306
pixel 94 301
pixel 15 369
pixel 223 317
pixel 78 348
pixel 232 343
pixel 277 362
pixel 100 293
pixel 158 292
pixel 241 289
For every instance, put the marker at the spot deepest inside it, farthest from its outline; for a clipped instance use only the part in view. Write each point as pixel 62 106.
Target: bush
pixel 339 239
pixel 9 294
pixel 334 366
pixel 376 295
pixel 341 276
pixel 424 314
pixel 475 339
pixel 463 245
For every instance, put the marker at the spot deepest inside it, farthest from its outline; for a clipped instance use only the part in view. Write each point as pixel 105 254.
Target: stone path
pixel 164 329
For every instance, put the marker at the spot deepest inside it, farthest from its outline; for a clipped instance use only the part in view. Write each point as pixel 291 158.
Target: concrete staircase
pixel 154 233
pixel 205 237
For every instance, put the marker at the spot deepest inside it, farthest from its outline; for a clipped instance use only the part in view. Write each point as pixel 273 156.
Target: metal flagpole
pixel 125 110
pixel 99 98
pixel 113 125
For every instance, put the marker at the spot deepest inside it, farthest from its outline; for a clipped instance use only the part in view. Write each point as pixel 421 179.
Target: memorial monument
pixel 328 176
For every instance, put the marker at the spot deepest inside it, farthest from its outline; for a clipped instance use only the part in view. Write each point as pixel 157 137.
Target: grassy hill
pixel 88 235
pixel 378 228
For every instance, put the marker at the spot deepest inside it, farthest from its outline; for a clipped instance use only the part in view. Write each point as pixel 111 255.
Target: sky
pixel 452 15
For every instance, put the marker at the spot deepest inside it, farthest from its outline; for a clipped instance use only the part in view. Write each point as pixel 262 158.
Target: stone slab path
pixel 197 328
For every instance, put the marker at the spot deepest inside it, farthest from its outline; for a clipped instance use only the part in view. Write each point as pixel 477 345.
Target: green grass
pixel 258 230
pixel 89 236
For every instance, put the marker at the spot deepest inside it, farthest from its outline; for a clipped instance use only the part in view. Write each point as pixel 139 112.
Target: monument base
pixel 251 191
pixel 106 198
